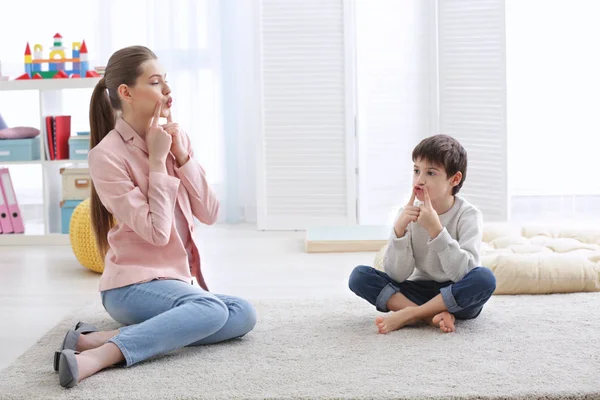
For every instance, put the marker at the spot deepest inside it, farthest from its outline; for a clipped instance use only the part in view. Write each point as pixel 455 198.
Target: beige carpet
pixel 521 347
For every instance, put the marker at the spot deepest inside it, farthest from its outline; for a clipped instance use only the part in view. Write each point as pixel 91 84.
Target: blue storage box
pixel 66 210
pixel 20 149
pixel 79 146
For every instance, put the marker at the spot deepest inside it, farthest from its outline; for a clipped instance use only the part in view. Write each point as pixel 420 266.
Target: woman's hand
pixel 159 142
pixel 178 147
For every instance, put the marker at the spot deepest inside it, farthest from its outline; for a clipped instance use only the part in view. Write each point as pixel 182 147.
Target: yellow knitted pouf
pixel 82 238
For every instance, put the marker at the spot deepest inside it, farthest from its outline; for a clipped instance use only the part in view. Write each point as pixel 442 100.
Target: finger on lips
pixel 412 198
pixel 426 193
pixel 157 111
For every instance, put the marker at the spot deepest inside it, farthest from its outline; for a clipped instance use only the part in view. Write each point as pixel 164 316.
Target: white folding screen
pixel 422 67
pixel 306 166
pixel 472 96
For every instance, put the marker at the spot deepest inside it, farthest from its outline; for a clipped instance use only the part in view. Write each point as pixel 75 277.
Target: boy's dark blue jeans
pixel 465 298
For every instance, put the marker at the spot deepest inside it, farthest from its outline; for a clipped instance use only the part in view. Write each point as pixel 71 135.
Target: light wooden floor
pixel 41 285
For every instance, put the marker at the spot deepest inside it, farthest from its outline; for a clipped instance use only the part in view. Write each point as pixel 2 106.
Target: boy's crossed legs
pixel 432 302
pixel 405 312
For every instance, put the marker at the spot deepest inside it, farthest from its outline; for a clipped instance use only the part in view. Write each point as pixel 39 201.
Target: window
pixel 552 97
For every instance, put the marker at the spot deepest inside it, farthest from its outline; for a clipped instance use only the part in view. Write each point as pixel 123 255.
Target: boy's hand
pixel 428 217
pixel 177 145
pixel 409 214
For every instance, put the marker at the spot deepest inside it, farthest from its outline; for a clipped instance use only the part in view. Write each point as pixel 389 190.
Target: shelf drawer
pixel 20 149
pixel 79 146
pixel 76 183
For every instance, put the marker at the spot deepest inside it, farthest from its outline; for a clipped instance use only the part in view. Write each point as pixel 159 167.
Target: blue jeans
pixel 164 315
pixel 464 299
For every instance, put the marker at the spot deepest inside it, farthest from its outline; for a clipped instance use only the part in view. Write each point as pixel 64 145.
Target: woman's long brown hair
pixel 123 68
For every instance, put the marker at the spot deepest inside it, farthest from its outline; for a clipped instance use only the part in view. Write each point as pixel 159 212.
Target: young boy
pixel 431 262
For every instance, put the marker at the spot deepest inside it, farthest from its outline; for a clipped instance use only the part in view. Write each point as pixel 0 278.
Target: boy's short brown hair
pixel 444 150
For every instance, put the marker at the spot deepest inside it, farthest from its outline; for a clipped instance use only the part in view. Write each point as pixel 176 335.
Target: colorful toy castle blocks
pixel 57 61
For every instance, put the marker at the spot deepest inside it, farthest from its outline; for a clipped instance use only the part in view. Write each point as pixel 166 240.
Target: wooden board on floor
pixel 342 239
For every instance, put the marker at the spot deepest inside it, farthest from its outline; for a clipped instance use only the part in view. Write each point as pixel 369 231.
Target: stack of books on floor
pixel 11 220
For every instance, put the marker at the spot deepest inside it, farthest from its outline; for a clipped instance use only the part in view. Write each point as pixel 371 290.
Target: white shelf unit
pixel 49 92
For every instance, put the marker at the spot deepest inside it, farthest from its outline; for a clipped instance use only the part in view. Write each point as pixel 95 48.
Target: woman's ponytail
pixel 102 121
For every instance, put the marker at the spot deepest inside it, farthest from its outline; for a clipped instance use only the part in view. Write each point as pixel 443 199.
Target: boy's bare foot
pixel 94 339
pixel 445 321
pixel 396 320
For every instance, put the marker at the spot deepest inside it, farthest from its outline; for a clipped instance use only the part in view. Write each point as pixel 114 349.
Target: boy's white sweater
pixel 448 257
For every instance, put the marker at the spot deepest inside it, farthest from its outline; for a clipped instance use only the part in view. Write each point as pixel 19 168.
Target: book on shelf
pixel 58 131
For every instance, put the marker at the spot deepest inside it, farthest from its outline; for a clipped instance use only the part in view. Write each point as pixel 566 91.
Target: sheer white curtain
pixel 185 34
pixel 553 85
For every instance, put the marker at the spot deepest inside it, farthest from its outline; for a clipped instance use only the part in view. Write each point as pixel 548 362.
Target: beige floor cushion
pixel 538 259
